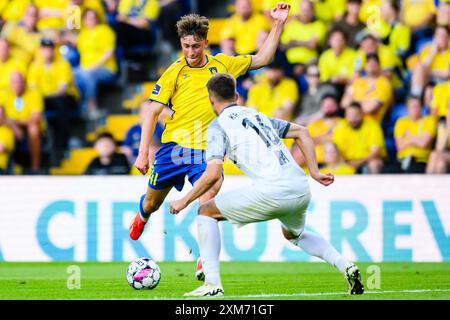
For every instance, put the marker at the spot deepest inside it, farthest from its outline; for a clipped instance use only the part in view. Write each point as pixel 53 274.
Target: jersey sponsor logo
pixel 213 70
pixel 156 89
pixel 186 75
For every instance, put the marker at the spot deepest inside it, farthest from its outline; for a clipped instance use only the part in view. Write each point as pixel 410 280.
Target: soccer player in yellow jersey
pixel 183 88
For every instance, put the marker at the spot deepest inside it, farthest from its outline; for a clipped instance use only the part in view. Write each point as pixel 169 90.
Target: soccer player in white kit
pixel 279 188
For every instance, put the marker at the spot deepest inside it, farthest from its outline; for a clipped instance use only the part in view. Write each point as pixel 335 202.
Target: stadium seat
pixel 77 162
pixel 118 124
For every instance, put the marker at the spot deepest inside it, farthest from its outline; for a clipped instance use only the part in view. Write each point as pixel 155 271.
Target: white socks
pixel 315 245
pixel 209 245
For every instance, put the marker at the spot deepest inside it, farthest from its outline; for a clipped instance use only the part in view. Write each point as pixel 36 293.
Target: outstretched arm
pixel 267 51
pixel 152 111
pixel 306 144
pixel 212 174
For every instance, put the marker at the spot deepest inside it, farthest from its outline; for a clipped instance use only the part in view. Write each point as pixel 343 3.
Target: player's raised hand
pixel 142 163
pixel 177 205
pixel 325 179
pixel 280 12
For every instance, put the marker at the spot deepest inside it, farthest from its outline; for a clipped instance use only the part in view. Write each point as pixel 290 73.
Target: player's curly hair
pixel 193 25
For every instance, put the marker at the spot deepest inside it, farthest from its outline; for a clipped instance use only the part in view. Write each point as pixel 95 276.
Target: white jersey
pixel 253 142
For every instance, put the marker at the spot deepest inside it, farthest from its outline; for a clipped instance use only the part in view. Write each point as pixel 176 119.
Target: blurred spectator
pixel 109 162
pixel 391 31
pixel 414 134
pixel 52 76
pixel 336 64
pixel 373 91
pixel 390 64
pixel 83 5
pixel 434 62
pixel 51 14
pixel 334 163
pixel 24 37
pixel 12 10
pixel 439 161
pixel 111 7
pixel 8 65
pixel 276 95
pixel 227 42
pixel 171 11
pixel 360 140
pixel 7 141
pixel 441 100
pixel 350 22
pixel 24 109
pixel 244 26
pixel 130 146
pixel 321 130
pixel 370 10
pixel 443 14
pixel 135 21
pixel 302 37
pixel 311 100
pixel 418 14
pixel 96 44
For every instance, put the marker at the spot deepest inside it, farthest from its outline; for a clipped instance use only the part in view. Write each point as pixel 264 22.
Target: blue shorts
pixel 172 164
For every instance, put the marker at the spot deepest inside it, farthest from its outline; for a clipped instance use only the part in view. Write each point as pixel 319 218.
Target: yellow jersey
pixel 183 88
pixel 380 89
pixel 133 8
pixel 298 31
pixel 7 141
pixel 13 10
pixel 331 65
pixel 341 169
pixel 245 33
pixel 320 128
pixel 92 45
pixel 56 21
pixel 441 60
pixel 441 99
pixel 22 108
pixel 416 11
pixel 23 44
pixel 416 128
pixel 357 144
pixel 266 99
pixel 48 79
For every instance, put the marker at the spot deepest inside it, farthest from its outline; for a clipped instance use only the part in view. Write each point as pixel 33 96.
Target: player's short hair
pixel 193 25
pixel 222 86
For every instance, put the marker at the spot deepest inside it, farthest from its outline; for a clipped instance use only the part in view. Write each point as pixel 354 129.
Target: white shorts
pixel 245 205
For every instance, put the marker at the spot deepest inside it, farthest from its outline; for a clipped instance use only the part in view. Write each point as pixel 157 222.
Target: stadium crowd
pixel 369 78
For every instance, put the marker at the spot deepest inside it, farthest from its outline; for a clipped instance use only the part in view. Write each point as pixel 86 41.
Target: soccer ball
pixel 143 273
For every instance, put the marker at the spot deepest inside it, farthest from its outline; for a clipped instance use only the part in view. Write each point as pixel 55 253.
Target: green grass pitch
pixel 241 280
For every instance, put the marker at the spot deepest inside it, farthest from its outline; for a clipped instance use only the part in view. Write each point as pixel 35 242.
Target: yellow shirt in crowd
pixel 13 10
pixel 370 11
pixel 130 7
pixel 342 169
pixel 245 33
pixel 380 89
pixel 48 79
pixel 183 88
pixel 297 31
pixel 416 11
pixel 320 128
pixel 7 141
pixel 331 65
pixel 52 22
pixel 357 144
pixel 94 43
pixel 441 99
pixel 441 60
pixel 416 128
pixel 399 35
pixel 23 45
pixel 22 108
pixel 266 99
